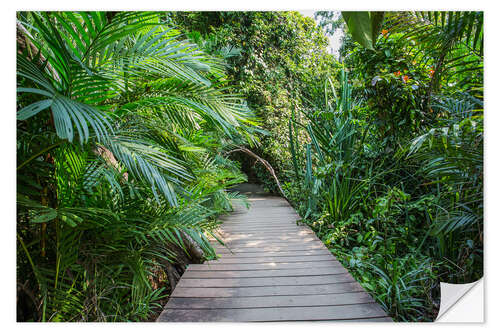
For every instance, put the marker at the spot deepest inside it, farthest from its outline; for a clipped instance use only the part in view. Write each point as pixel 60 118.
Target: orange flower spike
pixel 398 73
pixel 431 73
pixel 384 32
pixel 405 78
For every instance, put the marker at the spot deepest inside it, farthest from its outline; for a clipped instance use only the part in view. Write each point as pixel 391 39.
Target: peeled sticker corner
pixel 462 303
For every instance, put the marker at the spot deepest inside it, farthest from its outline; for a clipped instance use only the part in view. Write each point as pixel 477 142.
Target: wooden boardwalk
pixel 271 270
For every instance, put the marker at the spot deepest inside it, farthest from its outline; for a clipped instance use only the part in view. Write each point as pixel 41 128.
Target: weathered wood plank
pixel 255 219
pixel 318 289
pixel 300 232
pixel 258 208
pixel 224 235
pixel 250 219
pixel 272 248
pixel 263 234
pixel 274 260
pixel 264 266
pixel 258 243
pixel 216 274
pixel 270 213
pixel 247 220
pixel 241 229
pixel 279 237
pixel 263 223
pixel 276 253
pixel 261 210
pixel 266 281
pixel 369 310
pixel 266 241
pixel 268 301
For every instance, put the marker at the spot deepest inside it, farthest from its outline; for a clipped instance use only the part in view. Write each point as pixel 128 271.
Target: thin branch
pixel 263 161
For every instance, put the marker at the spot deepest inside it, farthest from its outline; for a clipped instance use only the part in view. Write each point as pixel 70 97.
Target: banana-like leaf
pixel 364 26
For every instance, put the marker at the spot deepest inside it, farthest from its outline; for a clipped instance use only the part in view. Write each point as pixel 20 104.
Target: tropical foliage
pixel 392 176
pixel 126 123
pixel 279 60
pixel 121 125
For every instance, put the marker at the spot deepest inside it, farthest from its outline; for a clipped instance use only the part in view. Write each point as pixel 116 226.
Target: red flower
pixel 405 78
pixel 384 32
pixel 431 73
pixel 398 73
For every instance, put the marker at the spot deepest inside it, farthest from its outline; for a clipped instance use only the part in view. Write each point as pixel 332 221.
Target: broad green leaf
pixel 364 26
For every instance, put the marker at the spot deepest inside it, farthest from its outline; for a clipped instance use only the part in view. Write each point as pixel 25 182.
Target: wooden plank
pixel 276 254
pixel 266 281
pixel 285 218
pixel 274 260
pixel 268 301
pixel 268 200
pixel 240 229
pixel 265 211
pixel 253 218
pixel 280 237
pixel 318 289
pixel 262 234
pixel 337 312
pixel 271 248
pixel 270 214
pixel 247 218
pixel 264 225
pixel 256 208
pixel 217 274
pixel 260 223
pixel 258 243
pixel 269 234
pixel 262 210
pixel 264 241
pixel 263 230
pixel 264 266
pixel 301 231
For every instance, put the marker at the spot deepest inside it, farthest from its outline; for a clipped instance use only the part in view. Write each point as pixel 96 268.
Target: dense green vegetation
pixel 392 176
pixel 121 128
pixel 125 121
pixel 279 61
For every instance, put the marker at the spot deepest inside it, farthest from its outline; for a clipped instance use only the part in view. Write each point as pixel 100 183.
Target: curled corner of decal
pixel 462 303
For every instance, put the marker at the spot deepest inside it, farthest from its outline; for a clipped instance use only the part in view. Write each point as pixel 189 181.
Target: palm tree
pixel 119 127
